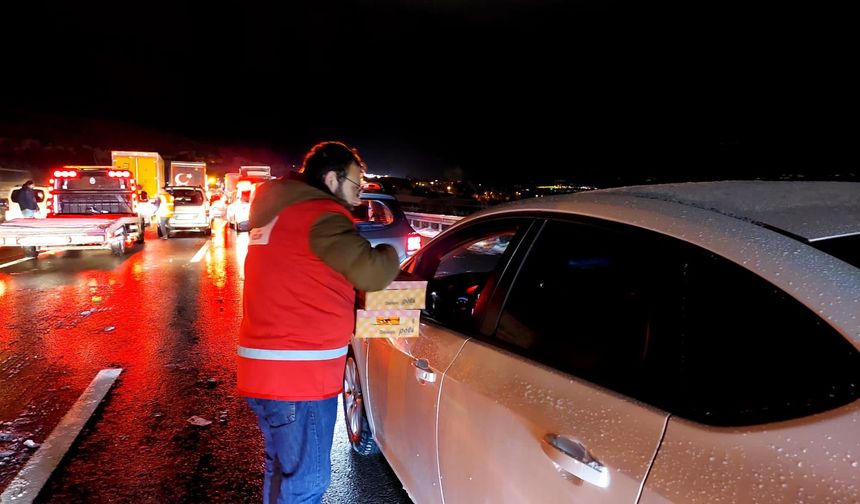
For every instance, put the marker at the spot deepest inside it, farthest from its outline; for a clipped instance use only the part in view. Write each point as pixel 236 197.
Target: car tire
pixel 141 229
pixel 118 248
pixel 357 427
pixel 31 252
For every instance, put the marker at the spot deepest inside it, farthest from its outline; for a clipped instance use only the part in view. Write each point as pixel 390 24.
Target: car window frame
pixel 676 246
pixel 447 242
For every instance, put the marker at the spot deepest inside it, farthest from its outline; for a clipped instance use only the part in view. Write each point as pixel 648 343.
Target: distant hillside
pixel 41 143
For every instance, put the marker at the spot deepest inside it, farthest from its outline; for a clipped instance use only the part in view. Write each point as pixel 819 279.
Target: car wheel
pixel 357 427
pixel 31 252
pixel 141 229
pixel 118 248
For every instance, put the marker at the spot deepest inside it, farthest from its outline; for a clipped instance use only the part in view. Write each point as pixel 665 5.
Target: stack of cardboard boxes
pixel 394 312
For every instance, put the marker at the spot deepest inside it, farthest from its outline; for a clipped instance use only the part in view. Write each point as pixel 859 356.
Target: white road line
pixel 33 476
pixel 12 263
pixel 200 253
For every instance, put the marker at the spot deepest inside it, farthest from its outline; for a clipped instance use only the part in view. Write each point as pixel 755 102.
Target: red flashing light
pixel 65 174
pixel 119 173
pixel 413 242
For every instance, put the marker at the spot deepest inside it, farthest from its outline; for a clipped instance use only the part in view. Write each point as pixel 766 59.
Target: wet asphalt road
pixel 172 325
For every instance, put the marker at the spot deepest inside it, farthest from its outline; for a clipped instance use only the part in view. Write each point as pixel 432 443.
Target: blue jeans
pixel 297 436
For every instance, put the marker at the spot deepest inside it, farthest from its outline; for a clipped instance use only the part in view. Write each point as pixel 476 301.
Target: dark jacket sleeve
pixel 335 240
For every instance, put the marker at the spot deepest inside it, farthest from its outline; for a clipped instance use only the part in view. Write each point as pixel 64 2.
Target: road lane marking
pixel 33 476
pixel 16 261
pixel 200 253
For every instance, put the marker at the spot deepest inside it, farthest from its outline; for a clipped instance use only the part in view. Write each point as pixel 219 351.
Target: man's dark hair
pixel 27 183
pixel 325 157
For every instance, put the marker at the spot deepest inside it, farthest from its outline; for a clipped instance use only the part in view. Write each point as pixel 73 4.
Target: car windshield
pixel 182 197
pixel 846 248
pixel 372 212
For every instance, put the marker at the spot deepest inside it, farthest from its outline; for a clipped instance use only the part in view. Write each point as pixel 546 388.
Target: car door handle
pixel 572 456
pixel 422 371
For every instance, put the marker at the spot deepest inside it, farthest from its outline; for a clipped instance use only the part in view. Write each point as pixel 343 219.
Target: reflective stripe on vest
pixel 292 355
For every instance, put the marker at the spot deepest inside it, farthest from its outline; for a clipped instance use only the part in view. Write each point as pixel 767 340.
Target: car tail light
pixel 65 173
pixel 413 242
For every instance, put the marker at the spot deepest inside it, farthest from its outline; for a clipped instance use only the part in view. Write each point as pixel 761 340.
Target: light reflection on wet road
pixel 172 325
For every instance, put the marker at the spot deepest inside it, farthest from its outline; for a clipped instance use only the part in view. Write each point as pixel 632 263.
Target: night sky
pixel 512 90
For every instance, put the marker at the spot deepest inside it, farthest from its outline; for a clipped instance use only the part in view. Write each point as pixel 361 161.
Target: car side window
pixel 372 212
pixel 582 303
pixel 748 353
pixel 461 268
pixel 673 326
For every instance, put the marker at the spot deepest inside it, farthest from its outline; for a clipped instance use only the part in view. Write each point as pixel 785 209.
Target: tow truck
pixel 89 207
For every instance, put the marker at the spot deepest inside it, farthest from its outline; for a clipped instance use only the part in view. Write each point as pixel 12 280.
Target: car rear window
pixel 373 212
pixel 187 198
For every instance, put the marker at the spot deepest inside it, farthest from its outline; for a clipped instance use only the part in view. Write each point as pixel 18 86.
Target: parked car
pixel 239 209
pixel 380 220
pixel 190 210
pixel 670 343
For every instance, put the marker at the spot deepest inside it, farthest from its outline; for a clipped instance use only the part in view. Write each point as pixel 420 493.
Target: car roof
pixel 173 188
pixel 379 196
pixel 806 211
pixel 811 211
pixel 766 227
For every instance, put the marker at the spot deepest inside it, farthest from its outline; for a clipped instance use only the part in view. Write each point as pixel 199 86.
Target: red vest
pixel 298 312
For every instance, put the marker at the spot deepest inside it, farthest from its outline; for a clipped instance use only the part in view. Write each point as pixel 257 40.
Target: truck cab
pixel 92 191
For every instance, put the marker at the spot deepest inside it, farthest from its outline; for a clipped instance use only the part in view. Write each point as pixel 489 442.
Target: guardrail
pixel 431 223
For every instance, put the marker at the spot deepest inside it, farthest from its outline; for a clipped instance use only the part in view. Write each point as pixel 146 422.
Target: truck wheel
pixel 118 248
pixel 31 252
pixel 141 229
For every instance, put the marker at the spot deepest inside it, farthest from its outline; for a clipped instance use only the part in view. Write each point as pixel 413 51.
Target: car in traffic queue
pixel 380 219
pixel 239 209
pixel 681 343
pixel 186 208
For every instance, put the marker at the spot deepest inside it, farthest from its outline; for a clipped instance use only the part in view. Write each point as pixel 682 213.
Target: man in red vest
pixel 305 259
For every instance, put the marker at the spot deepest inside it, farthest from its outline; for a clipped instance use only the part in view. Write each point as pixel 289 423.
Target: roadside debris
pixel 31 444
pixel 198 421
pixel 109 328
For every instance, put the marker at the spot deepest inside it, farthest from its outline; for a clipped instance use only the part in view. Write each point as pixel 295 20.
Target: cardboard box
pixel 399 295
pixel 387 323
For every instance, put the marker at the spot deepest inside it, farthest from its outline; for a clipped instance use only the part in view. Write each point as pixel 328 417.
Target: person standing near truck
pixel 27 200
pixel 305 258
